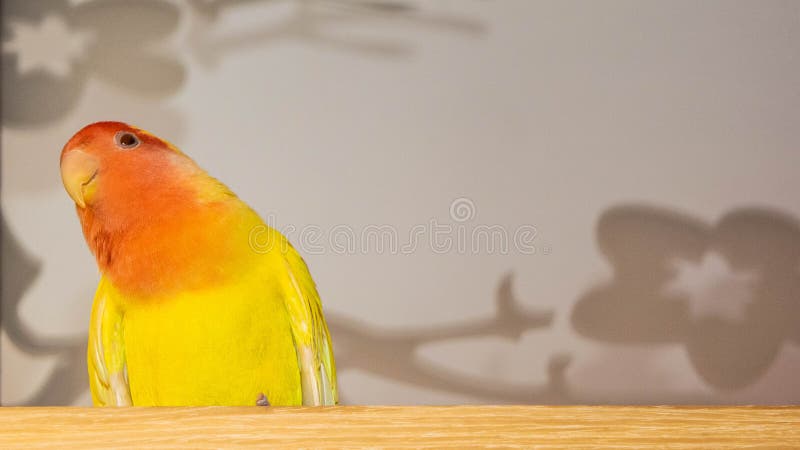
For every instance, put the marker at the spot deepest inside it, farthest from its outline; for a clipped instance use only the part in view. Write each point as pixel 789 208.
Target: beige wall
pixel 652 145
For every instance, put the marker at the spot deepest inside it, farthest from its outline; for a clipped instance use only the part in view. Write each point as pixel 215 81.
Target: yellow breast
pixel 221 346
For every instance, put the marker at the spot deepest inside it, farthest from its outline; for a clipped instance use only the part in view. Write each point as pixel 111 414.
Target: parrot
pixel 199 301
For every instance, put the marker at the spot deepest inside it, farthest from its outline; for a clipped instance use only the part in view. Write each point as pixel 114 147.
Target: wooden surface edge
pixel 402 427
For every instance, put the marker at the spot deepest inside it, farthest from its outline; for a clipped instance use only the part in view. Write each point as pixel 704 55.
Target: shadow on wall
pixel 729 292
pixel 69 379
pixel 51 49
pixel 393 355
pixel 316 22
pixel 358 346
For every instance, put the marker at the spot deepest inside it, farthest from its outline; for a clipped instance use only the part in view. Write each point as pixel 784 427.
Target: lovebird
pixel 199 302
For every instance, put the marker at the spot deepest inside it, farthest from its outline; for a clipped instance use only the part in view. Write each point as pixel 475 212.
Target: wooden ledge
pixel 409 427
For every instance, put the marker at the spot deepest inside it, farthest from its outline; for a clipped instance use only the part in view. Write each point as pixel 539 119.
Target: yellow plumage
pixel 219 346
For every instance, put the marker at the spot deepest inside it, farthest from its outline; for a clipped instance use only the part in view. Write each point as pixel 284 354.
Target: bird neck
pixel 162 249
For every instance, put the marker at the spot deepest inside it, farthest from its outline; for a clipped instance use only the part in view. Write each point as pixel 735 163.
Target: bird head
pixel 106 157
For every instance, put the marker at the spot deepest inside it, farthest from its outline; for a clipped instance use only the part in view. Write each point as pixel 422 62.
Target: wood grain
pixel 401 427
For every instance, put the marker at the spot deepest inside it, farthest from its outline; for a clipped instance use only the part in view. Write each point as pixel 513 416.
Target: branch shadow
pixel 392 354
pixel 126 44
pixel 643 243
pixel 314 22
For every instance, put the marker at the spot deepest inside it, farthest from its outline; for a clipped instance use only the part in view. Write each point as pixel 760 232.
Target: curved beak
pixel 78 173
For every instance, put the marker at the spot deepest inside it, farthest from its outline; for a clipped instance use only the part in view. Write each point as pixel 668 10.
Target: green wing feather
pixel 108 377
pixel 310 332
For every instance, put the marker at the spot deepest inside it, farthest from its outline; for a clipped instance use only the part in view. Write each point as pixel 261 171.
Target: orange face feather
pixel 154 220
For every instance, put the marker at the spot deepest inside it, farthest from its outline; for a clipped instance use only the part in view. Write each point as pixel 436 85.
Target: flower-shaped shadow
pixel 50 49
pixel 731 336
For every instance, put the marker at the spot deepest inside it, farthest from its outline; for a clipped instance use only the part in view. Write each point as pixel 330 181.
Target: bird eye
pixel 126 140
